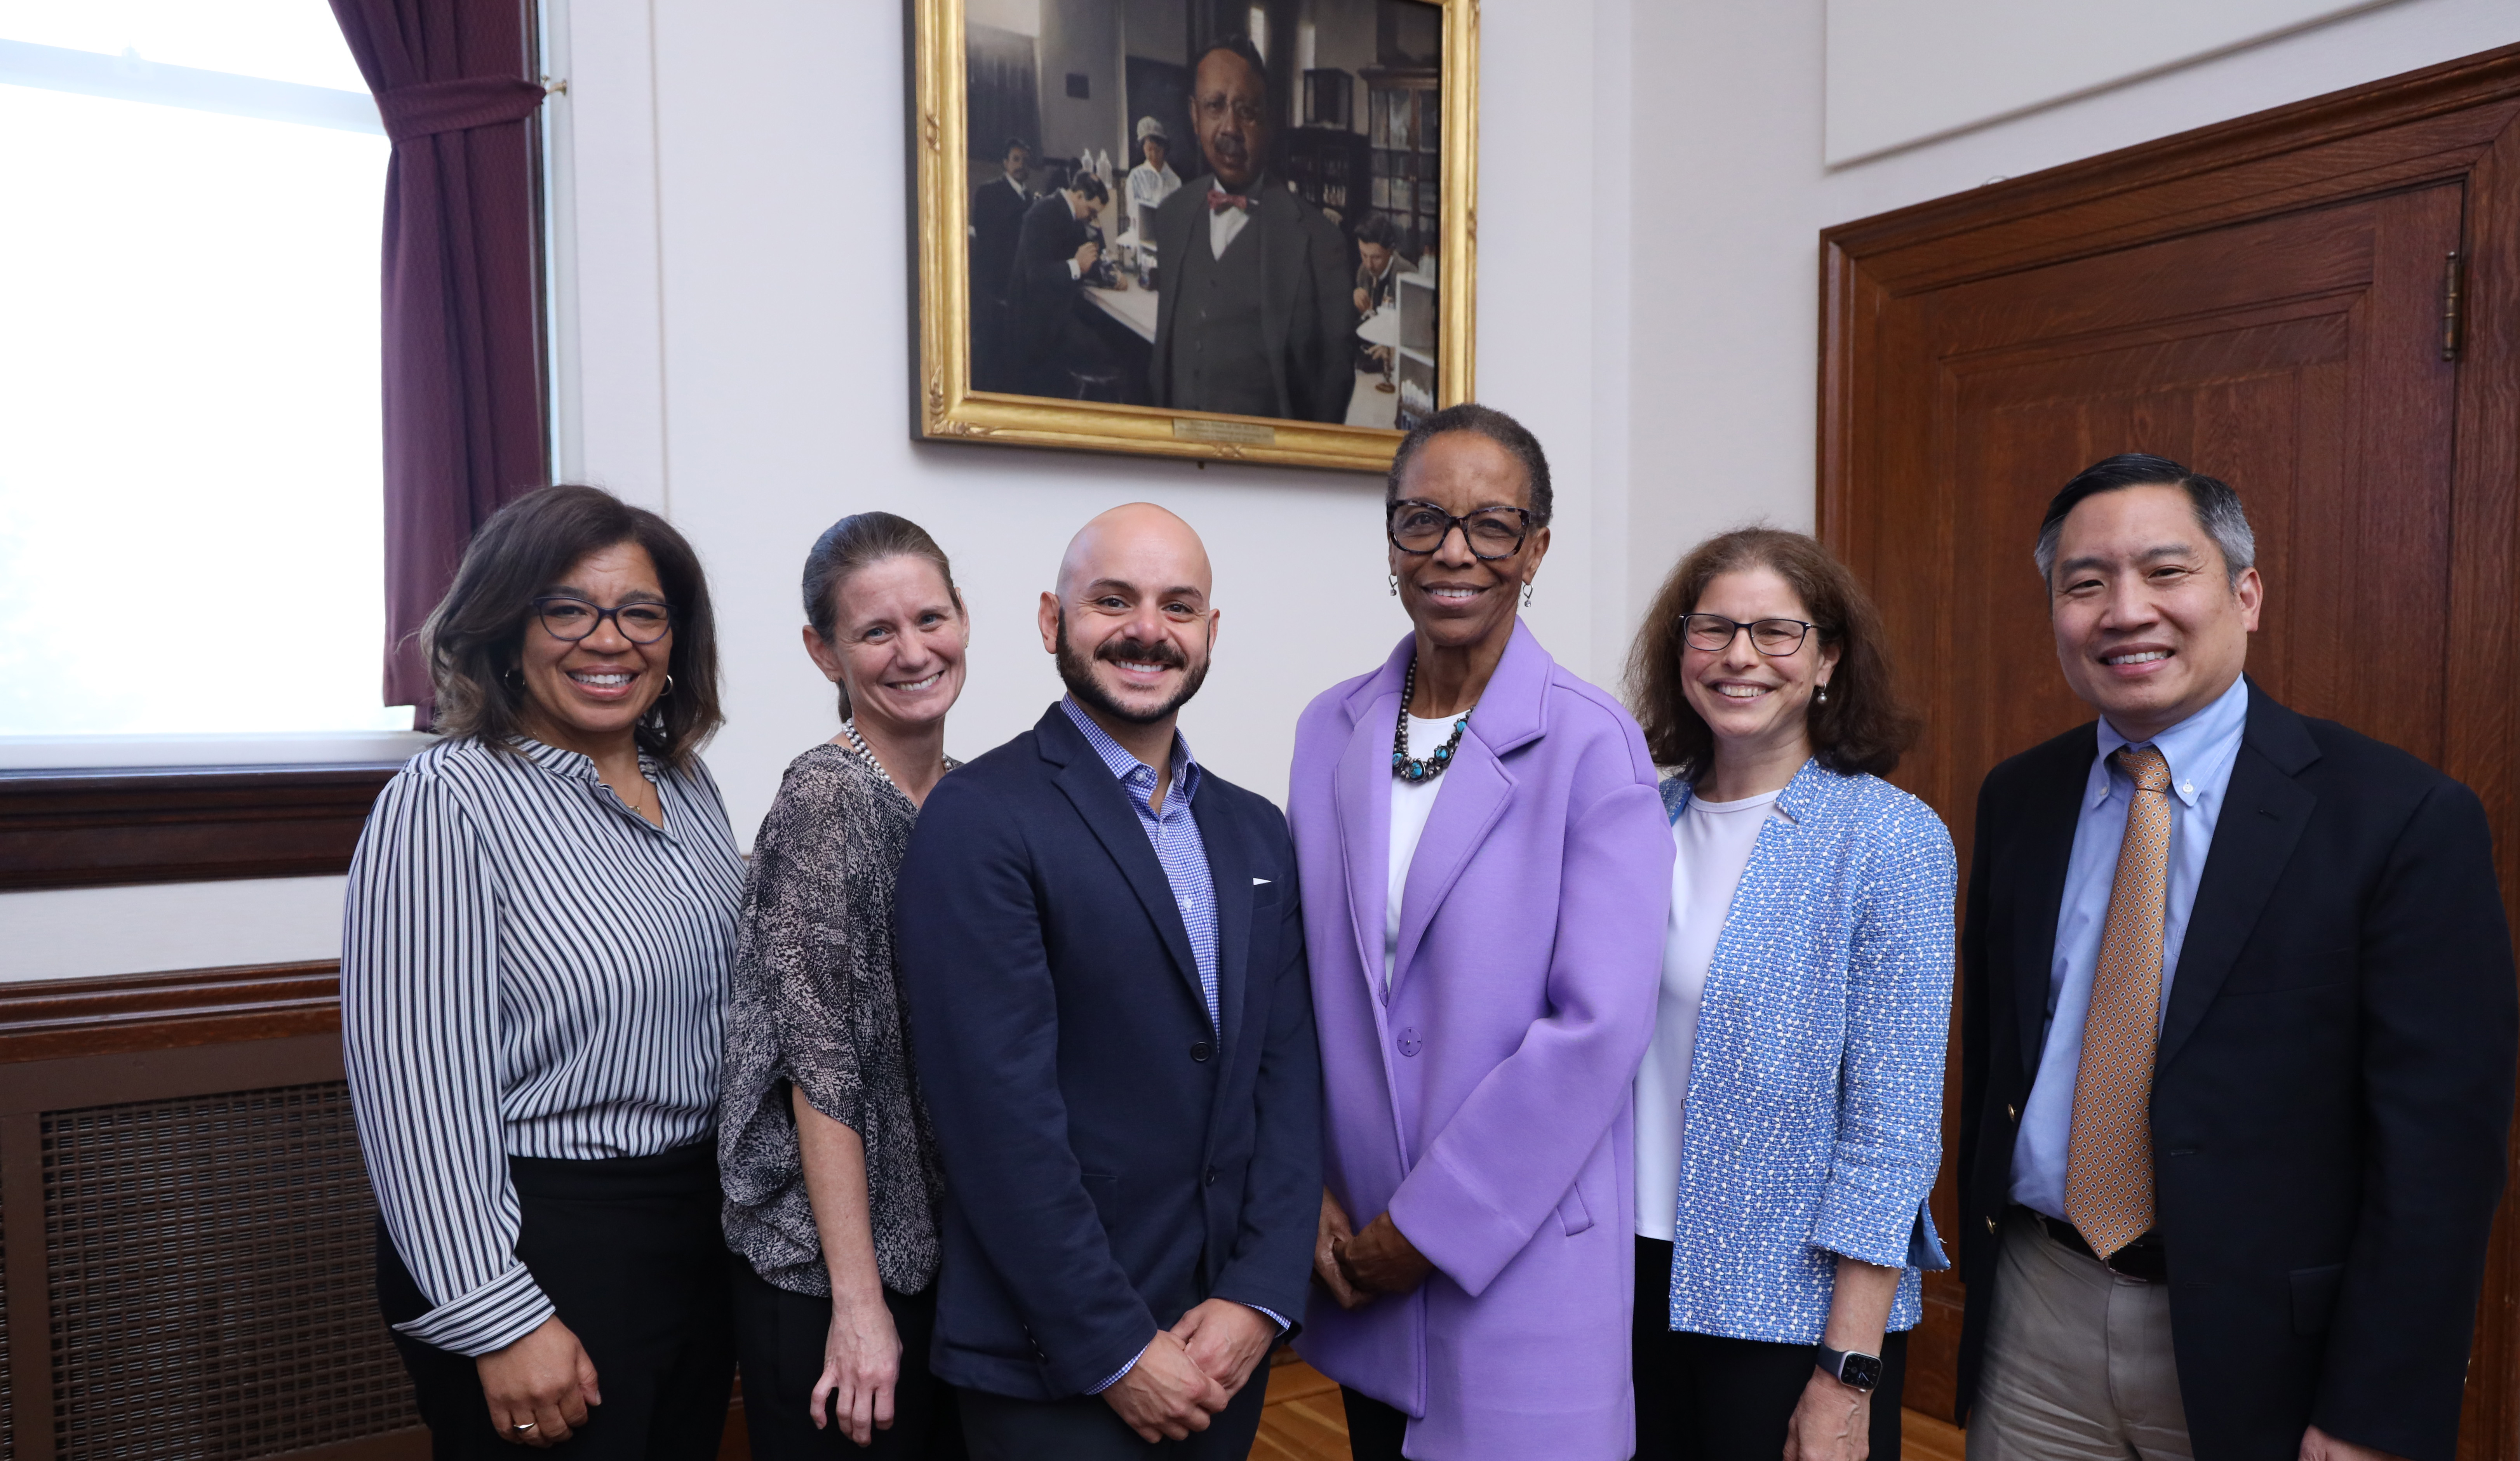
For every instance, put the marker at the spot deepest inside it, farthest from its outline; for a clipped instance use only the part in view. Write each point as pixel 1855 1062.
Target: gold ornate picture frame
pixel 1348 142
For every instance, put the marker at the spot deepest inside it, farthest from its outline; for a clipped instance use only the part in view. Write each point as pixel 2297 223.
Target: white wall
pixel 1903 70
pixel 732 329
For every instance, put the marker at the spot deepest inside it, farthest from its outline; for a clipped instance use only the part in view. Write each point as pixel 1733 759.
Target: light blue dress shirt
pixel 1174 831
pixel 2200 750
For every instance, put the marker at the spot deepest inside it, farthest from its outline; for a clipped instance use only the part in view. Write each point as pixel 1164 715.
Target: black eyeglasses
pixel 1777 638
pixel 1492 532
pixel 573 619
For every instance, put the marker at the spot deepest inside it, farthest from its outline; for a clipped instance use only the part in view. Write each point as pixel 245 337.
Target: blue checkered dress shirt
pixel 1175 833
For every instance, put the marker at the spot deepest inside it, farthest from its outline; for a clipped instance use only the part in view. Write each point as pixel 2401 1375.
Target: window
pixel 189 484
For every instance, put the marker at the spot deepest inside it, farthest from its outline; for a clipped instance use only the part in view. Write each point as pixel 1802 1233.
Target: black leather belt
pixel 2143 1259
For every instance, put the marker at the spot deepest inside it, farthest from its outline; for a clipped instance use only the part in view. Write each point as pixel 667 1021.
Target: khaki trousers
pixel 2078 1360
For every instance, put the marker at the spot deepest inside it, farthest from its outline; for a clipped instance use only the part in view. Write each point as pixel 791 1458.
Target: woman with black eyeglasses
pixel 1485 871
pixel 1790 1108
pixel 534 968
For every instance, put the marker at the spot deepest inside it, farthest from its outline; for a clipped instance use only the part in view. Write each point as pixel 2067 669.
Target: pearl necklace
pixel 1408 768
pixel 857 743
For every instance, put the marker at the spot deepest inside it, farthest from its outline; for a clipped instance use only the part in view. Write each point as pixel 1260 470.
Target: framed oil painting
pixel 1238 229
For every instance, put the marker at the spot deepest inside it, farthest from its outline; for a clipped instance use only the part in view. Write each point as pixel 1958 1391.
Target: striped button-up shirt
pixel 528 969
pixel 1175 833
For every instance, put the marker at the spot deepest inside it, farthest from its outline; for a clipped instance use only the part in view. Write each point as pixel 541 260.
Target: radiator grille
pixel 8 1386
pixel 212 1269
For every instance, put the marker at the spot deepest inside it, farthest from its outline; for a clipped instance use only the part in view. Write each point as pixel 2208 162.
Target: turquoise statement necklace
pixel 1408 767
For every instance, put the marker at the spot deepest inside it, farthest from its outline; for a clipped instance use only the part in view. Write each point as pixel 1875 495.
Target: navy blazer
pixel 1110 1160
pixel 2330 1096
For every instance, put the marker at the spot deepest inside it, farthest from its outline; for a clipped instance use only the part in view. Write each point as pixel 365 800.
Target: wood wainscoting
pixel 187 1235
pixel 187 1239
pixel 2319 304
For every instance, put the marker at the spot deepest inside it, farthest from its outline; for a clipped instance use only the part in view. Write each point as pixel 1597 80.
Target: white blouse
pixel 1412 803
pixel 1714 840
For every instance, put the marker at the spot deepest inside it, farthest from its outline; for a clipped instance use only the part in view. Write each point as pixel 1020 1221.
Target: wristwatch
pixel 1860 1372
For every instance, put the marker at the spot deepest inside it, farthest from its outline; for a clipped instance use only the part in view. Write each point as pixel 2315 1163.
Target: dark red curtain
pixel 463 370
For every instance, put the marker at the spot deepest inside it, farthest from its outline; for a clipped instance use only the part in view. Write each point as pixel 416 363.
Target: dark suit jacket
pixel 1040 292
pixel 1109 1160
pixel 1306 280
pixel 996 218
pixel 2331 1093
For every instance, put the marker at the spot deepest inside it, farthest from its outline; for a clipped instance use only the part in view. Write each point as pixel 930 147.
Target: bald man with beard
pixel 1103 960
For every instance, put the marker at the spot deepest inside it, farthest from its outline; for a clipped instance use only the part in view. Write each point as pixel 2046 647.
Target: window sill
pixel 93 827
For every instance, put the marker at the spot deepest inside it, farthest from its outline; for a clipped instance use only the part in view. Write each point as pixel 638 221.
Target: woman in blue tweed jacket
pixel 1789 1110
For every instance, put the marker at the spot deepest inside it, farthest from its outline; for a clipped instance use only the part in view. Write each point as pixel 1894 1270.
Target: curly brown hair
pixel 1864 726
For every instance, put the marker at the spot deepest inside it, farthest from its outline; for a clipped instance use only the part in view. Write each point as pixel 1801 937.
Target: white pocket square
pixel 1259 882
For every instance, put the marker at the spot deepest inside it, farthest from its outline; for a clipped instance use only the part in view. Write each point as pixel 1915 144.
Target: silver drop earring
pixel 1395 586
pixel 1526 594
pixel 1820 695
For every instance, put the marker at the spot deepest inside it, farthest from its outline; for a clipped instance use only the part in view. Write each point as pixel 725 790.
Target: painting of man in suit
pixel 1270 167
pixel 1054 256
pixel 998 209
pixel 1254 317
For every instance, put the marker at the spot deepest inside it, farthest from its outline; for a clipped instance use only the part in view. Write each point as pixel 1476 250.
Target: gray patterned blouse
pixel 815 1005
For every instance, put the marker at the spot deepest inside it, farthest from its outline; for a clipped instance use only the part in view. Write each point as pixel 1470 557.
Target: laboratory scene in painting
pixel 1208 206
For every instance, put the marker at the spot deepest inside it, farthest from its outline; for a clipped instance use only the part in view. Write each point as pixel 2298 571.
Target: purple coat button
pixel 1409 1043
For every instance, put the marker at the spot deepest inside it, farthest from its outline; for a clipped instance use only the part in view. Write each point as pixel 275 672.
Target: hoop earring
pixel 1526 594
pixel 1395 586
pixel 668 689
pixel 515 677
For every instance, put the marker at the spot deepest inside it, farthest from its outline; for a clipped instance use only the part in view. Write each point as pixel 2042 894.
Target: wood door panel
pixel 2272 318
pixel 2164 284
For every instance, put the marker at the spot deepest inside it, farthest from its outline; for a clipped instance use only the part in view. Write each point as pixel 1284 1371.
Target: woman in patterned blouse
pixel 832 1184
pixel 1790 1109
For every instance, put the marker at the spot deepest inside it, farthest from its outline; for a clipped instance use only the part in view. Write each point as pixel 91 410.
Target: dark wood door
pixel 2274 316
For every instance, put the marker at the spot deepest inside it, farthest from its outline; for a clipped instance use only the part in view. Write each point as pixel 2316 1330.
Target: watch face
pixel 1862 1371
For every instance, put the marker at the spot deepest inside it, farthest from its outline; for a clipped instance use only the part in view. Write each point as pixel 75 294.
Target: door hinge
pixel 2450 306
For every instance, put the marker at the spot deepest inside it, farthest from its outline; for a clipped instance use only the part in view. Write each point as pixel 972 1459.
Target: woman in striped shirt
pixel 533 989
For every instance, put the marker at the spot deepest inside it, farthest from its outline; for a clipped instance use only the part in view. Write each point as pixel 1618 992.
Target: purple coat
pixel 1485 1103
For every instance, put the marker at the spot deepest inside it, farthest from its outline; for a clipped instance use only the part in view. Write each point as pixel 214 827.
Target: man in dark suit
pixel 1057 249
pixel 998 209
pixel 1253 317
pixel 2237 1036
pixel 1105 963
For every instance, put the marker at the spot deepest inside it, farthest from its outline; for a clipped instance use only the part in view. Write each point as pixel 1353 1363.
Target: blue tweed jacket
pixel 1814 1124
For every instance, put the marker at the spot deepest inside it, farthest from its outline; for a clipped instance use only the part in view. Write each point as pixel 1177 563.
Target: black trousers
pixel 1703 1397
pixel 780 1336
pixel 630 1253
pixel 999 1428
pixel 1375 1430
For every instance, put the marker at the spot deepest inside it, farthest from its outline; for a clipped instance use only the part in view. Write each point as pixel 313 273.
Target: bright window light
pixel 191 511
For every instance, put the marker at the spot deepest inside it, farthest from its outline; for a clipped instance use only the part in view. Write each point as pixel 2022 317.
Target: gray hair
pixel 2217 507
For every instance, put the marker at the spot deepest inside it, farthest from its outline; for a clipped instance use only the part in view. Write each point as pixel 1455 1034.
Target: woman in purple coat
pixel 1486 875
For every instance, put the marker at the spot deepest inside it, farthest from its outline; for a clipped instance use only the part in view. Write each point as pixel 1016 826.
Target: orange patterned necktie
pixel 2109 1160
